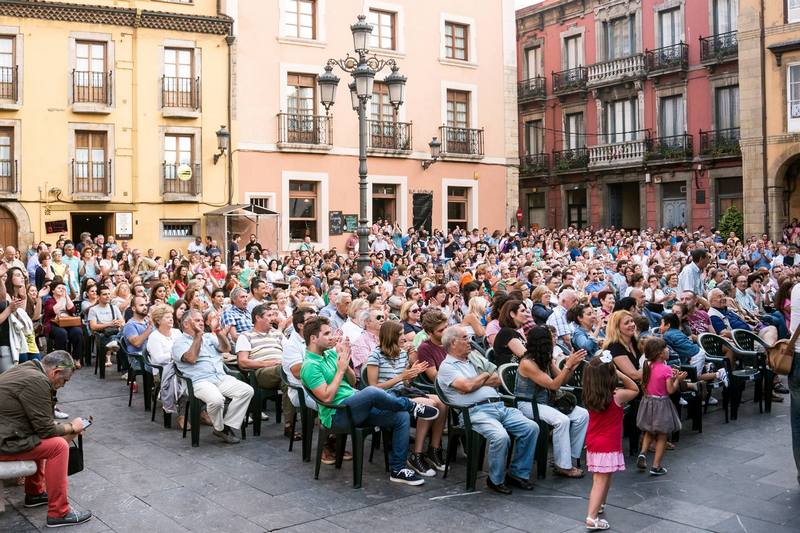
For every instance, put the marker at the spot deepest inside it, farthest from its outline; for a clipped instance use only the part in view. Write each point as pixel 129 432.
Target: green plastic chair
pixel 307 416
pixel 749 341
pixel 714 346
pixel 473 441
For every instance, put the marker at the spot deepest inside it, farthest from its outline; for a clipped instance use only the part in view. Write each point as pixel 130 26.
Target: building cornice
pixel 116 16
pixel 779 49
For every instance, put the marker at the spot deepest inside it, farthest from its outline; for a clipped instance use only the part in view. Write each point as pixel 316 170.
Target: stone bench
pixel 13 470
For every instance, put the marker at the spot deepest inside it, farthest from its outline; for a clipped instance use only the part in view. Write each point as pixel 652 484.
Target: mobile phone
pixel 86 422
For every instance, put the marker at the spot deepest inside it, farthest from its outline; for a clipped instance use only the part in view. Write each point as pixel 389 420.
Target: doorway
pixel 673 206
pixel 791 192
pixel 577 211
pixel 9 231
pixel 94 223
pixel 384 203
pixel 624 205
pixel 422 211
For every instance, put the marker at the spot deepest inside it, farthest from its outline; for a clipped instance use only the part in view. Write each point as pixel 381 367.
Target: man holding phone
pixel 28 432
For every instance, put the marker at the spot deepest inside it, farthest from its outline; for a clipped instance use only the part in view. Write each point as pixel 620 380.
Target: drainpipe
pixel 230 39
pixel 762 52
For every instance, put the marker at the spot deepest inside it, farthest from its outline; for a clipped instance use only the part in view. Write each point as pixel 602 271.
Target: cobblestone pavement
pixel 142 477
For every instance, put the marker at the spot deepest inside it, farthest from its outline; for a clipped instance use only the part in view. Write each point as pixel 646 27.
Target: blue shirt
pixel 239 318
pixel 681 344
pixel 583 340
pixel 209 365
pixel 133 329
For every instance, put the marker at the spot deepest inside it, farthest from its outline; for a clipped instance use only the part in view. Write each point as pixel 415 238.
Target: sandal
pixel 572 472
pixel 180 424
pixel 602 509
pixel 287 432
pixel 596 524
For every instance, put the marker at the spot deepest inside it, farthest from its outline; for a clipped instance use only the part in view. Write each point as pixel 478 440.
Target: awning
pixel 242 210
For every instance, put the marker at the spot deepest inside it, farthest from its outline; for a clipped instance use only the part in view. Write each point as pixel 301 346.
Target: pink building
pixel 628 112
pixel 293 158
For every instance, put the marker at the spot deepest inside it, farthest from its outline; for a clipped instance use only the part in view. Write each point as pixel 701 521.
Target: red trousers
pixel 51 477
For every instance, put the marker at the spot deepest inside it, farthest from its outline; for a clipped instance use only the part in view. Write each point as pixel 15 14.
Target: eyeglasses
pixel 379 317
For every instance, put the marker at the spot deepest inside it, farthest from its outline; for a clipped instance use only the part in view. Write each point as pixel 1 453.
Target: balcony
pixel 174 189
pixel 671 149
pixel 8 84
pixel 718 49
pixel 571 160
pixel 388 137
pixel 667 59
pixel 91 90
pixel 305 132
pixel 531 90
pixel 534 164
pixel 8 178
pixel 623 150
pixel 616 71
pixel 180 97
pixel 720 143
pixel 90 180
pixel 461 142
pixel 569 81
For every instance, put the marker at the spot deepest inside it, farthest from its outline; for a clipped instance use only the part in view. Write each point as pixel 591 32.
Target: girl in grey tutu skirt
pixel 657 416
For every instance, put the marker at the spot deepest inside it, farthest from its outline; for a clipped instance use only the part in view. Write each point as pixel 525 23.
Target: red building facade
pixel 628 112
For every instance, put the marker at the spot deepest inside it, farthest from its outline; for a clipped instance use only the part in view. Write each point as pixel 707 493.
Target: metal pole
pixel 363 230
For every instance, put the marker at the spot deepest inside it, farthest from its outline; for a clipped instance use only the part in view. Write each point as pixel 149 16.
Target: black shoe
pixel 424 412
pixel 407 476
pixel 780 389
pixel 418 464
pixel 501 488
pixel 70 519
pixel 435 458
pixel 226 435
pixel 660 471
pixel 35 500
pixel 520 483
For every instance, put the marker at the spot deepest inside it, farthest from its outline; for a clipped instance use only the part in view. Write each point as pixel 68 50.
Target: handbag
pixel 563 401
pixel 780 356
pixel 75 463
pixel 67 321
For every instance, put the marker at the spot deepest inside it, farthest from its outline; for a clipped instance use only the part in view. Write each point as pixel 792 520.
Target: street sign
pixel 184 172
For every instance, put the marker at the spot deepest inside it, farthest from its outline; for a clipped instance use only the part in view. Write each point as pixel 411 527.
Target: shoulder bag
pixel 780 356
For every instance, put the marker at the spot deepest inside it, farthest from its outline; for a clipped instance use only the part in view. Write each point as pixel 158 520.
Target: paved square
pixel 141 477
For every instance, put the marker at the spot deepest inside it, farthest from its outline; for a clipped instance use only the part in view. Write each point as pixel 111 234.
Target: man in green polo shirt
pixel 327 374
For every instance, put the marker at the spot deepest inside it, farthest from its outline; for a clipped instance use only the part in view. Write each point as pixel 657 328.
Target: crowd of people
pixel 622 308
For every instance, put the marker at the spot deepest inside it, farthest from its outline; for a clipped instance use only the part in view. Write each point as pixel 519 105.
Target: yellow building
pixel 769 49
pixel 109 111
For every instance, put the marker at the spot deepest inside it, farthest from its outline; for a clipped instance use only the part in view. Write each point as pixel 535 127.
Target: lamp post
pixel 363 69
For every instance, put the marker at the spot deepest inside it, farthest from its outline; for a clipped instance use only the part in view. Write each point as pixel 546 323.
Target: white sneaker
pixel 113 345
pixel 722 375
pixel 712 401
pixel 60 415
pixel 682 402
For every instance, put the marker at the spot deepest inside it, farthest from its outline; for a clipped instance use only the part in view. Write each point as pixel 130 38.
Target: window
pixel 620 120
pixel 671 27
pixel 264 202
pixel 573 52
pixel 302 210
pixel 620 37
pixel 177 152
pixel 573 124
pixel 383 31
pixel 576 208
pixel 458 109
pixel 534 137
pixel 179 78
pixel 537 209
pixel 671 116
pixel 457 201
pixel 90 72
pixel 300 96
pixel 793 14
pixel 726 101
pixel 729 192
pixel 300 19
pixel 793 96
pixel 179 229
pixel 380 107
pixel 90 162
pixel 384 202
pixel 725 15
pixel 533 61
pixel 8 69
pixel 7 183
pixel 455 41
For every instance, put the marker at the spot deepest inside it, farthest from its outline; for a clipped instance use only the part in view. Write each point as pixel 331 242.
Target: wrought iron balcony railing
pixel 720 143
pixel 91 87
pixel 91 177
pixel 461 141
pixel 719 48
pixel 531 89
pixel 570 160
pixel 180 92
pixel 8 176
pixel 8 83
pixel 535 164
pixel 300 128
pixel 388 135
pixel 668 58
pixel 669 148
pixel 568 81
pixel 172 184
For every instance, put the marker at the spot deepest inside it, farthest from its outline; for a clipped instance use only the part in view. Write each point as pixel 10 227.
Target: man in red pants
pixel 28 432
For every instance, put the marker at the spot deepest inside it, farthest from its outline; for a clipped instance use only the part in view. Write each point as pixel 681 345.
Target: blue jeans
pixel 379 408
pixel 776 319
pixel 794 413
pixel 495 421
pixel 24 357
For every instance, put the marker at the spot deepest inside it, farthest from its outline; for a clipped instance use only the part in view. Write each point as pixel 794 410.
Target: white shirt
pixel 253 303
pixel 294 351
pixel 795 316
pixel 351 330
pixel 159 346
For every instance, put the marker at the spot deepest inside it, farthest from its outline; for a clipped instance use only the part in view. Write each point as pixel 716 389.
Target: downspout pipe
pixel 762 52
pixel 230 39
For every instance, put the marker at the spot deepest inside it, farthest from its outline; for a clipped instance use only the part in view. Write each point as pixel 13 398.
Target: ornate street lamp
pixel 223 141
pixel 363 69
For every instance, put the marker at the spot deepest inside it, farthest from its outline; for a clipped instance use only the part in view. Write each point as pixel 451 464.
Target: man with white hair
pixel 10 258
pixel 368 341
pixel 558 318
pixel 341 303
pixel 464 386
pixel 236 314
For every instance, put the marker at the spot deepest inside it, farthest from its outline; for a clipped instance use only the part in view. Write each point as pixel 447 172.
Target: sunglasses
pixel 379 317
pixel 416 310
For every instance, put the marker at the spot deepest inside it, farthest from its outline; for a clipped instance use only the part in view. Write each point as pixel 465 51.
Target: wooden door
pixel 8 229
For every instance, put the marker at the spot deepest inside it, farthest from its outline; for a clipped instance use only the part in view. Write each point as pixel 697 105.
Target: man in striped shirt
pixel 260 350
